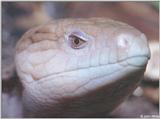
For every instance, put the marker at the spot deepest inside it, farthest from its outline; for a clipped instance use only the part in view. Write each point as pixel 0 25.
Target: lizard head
pixel 72 56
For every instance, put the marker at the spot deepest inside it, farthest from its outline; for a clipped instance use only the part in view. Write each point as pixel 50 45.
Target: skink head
pixel 80 50
pixel 71 63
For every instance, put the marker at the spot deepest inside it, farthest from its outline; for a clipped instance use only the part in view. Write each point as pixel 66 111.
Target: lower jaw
pixel 106 92
pixel 68 85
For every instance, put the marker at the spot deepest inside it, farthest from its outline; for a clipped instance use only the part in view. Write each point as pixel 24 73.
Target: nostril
pixel 123 40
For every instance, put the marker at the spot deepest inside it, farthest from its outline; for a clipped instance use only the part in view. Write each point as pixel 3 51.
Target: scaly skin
pixel 61 80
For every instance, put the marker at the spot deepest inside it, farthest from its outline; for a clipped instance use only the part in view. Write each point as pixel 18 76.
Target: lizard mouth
pixel 100 70
pixel 138 61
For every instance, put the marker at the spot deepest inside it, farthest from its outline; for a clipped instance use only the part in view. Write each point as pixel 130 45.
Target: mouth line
pixel 100 65
pixel 146 56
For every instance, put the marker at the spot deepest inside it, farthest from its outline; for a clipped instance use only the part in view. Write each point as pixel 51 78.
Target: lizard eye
pixel 76 42
pixel 78 39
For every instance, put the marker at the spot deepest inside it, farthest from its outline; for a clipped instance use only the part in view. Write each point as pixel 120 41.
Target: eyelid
pixel 80 34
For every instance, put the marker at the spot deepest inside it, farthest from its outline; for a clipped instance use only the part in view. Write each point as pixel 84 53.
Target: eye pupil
pixel 76 41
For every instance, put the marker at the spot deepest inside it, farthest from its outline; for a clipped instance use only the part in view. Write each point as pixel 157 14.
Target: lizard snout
pixel 134 49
